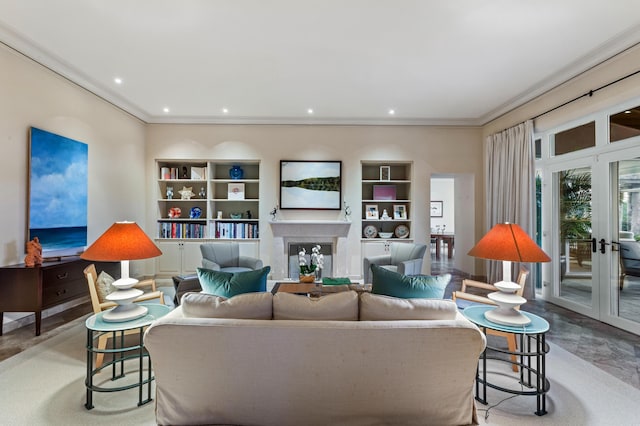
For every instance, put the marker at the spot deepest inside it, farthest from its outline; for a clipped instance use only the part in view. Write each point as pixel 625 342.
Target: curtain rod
pixel 588 94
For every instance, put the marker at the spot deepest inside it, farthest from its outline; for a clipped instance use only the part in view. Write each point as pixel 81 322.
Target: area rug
pixel 44 385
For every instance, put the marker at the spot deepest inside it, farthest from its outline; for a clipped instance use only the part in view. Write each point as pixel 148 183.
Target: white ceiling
pixel 269 61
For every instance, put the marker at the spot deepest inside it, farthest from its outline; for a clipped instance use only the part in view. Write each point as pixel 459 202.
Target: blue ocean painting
pixel 58 191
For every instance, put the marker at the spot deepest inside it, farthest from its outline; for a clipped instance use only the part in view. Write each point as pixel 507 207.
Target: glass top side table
pixel 96 327
pixel 531 355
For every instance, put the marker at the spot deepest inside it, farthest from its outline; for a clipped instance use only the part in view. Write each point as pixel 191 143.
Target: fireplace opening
pixel 326 249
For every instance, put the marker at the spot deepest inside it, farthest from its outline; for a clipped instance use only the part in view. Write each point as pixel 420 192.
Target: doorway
pixel 451 222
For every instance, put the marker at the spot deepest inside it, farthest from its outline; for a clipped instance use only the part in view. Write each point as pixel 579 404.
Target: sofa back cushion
pixel 229 284
pixel 374 307
pixel 342 306
pixel 242 306
pixel 391 283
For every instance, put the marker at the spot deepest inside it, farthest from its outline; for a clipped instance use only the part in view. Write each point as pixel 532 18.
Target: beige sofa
pixel 361 369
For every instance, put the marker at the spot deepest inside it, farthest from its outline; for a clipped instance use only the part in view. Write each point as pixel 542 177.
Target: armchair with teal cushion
pixel 403 258
pixel 225 256
pixel 629 259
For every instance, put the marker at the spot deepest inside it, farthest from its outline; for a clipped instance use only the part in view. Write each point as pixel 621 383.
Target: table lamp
pixel 509 243
pixel 123 241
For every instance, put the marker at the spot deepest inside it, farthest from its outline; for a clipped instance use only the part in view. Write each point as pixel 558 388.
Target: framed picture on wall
pixel 371 211
pixel 399 211
pixel 310 185
pixel 436 209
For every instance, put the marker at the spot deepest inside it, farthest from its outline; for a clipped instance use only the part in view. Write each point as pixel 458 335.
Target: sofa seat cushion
pixel 341 306
pixel 242 306
pixel 375 307
pixel 391 283
pixel 229 284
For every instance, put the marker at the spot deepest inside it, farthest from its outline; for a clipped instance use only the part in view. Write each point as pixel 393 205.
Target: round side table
pixel 96 327
pixel 531 354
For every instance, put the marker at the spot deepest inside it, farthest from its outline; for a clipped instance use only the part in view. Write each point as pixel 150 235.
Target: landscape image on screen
pixel 58 189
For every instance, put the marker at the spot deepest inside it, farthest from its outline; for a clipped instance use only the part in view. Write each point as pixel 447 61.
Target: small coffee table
pixel 317 288
pixel 120 353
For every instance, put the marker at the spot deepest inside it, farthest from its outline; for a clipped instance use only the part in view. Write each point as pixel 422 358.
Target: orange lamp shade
pixel 122 241
pixel 508 241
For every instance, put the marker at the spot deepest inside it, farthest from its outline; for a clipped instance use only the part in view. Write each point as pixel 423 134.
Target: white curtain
pixel 510 185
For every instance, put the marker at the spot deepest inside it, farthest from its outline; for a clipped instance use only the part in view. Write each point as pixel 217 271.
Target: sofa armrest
pixel 210 264
pixel 249 262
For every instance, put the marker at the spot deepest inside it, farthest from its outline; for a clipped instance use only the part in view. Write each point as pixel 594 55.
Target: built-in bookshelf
pixel 386 200
pixel 222 200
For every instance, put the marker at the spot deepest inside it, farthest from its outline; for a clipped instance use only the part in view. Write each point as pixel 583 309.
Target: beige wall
pixel 31 95
pixel 432 150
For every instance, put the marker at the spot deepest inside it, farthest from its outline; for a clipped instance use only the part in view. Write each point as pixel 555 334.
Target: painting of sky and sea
pixel 58 191
pixel 310 185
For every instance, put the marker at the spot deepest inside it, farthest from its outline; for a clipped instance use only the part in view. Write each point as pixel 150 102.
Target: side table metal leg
pixel 542 379
pixel 89 380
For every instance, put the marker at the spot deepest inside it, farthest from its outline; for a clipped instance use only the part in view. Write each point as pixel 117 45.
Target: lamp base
pixel 123 313
pixel 509 317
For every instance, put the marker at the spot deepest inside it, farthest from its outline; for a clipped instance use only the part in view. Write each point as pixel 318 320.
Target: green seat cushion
pixel 393 284
pixel 229 284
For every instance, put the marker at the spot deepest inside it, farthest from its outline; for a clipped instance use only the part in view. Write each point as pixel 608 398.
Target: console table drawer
pixel 64 290
pixel 61 274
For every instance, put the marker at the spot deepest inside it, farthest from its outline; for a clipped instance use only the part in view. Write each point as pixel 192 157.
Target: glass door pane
pixel 628 266
pixel 575 250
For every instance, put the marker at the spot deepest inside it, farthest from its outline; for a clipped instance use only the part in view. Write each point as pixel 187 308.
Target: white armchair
pixel 403 258
pixel 225 256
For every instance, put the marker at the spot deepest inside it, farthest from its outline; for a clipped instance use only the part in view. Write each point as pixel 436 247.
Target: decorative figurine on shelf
pixel 347 211
pixel 34 253
pixel 186 193
pixel 202 193
pixel 274 212
pixel 175 212
pixel 249 214
pixel 184 173
pixel 385 215
pixel 236 172
pixel 169 192
pixel 195 213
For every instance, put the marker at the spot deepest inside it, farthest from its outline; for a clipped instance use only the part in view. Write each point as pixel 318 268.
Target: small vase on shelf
pixel 236 172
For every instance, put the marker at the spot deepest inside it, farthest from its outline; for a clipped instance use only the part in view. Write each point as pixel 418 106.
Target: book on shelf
pixel 198 173
pixel 165 173
pixel 182 230
pixel 237 230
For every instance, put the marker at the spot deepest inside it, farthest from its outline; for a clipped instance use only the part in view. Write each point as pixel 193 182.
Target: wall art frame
pixel 310 185
pixel 436 209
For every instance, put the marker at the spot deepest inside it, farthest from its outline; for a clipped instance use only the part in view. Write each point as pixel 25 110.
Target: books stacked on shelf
pixel 238 230
pixel 182 229
pixel 169 173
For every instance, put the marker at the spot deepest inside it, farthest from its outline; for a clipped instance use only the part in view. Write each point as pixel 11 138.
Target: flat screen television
pixel 57 201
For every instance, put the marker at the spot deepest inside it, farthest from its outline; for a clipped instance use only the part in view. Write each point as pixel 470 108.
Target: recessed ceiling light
pixel 392 112
pixel 225 110
pixel 627 112
pixel 165 109
pixel 117 80
pixel 309 111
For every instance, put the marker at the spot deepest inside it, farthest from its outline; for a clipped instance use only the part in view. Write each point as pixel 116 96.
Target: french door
pixel 596 209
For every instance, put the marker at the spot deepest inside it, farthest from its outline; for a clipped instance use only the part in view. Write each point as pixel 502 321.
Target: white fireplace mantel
pixel 285 231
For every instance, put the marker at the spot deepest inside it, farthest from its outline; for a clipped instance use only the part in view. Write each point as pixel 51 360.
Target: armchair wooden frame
pixel 464 295
pixel 92 280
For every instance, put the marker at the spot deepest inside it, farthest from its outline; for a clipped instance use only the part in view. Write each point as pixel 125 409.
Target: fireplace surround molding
pixel 312 231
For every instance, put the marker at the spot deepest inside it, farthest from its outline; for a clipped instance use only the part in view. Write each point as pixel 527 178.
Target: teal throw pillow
pixel 229 284
pixel 390 283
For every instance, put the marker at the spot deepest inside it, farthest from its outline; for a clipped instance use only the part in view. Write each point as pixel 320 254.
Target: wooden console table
pixel 24 289
pixel 446 238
